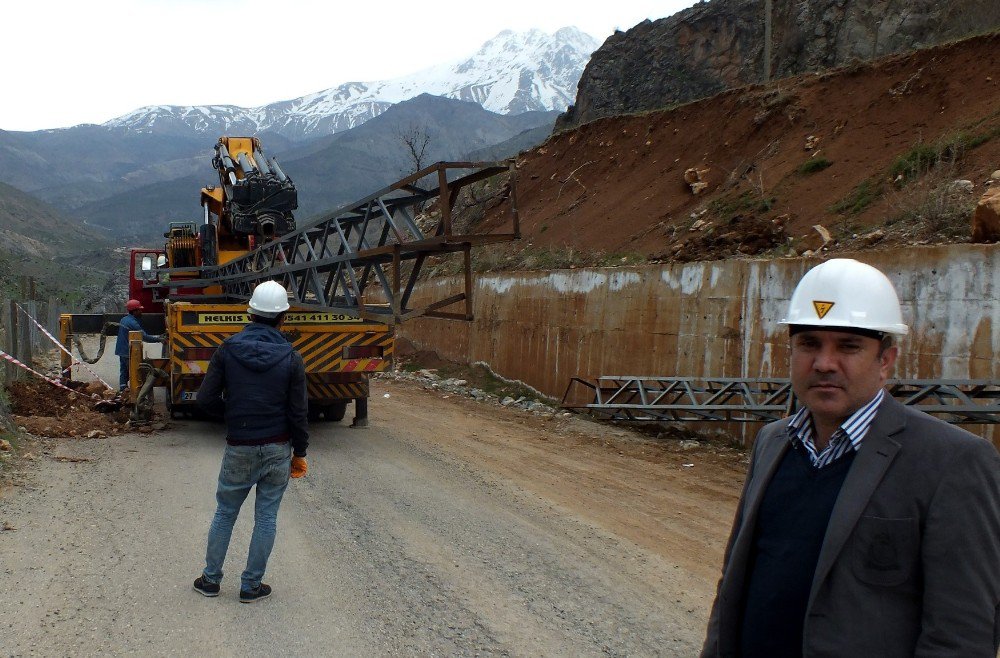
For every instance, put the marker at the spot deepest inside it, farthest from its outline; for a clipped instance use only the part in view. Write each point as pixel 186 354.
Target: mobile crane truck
pixel 350 275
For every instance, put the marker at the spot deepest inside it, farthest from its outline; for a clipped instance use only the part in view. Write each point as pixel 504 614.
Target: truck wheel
pixel 335 412
pixel 314 411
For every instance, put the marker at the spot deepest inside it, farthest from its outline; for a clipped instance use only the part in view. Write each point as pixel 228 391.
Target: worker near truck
pixel 258 382
pixel 130 322
pixel 865 527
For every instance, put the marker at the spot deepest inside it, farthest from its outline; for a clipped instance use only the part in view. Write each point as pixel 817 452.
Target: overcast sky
pixel 67 62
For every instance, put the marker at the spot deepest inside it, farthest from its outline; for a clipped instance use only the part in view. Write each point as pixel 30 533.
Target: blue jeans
pixel 123 371
pixel 266 466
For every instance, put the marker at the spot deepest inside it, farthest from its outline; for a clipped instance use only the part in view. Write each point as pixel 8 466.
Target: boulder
pixel 695 177
pixel 986 218
pixel 813 241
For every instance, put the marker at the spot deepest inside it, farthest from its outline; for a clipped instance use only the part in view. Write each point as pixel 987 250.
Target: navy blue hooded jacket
pixel 261 382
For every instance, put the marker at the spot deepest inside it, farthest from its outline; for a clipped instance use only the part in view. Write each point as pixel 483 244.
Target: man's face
pixel 835 373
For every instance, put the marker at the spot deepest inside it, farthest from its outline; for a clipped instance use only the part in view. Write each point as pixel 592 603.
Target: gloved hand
pixel 299 466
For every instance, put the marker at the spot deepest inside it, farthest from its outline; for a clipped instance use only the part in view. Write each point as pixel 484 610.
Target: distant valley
pixel 132 175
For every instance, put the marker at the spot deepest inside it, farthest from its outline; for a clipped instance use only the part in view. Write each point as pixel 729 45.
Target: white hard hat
pixel 269 299
pixel 846 293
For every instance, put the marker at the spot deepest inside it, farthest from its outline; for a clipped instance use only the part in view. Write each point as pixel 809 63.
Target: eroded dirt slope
pixel 887 140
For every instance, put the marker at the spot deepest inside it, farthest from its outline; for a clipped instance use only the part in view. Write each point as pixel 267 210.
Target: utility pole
pixel 768 9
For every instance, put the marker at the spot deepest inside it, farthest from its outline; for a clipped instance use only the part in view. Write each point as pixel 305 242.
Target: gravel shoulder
pixel 447 527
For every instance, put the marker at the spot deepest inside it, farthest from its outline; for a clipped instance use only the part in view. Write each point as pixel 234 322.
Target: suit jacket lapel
pixel 877 452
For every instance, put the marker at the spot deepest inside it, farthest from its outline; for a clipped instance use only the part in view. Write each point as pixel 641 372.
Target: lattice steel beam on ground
pixel 688 399
pixel 374 244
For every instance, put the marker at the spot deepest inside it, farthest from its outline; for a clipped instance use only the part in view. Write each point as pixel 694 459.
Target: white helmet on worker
pixel 848 295
pixel 269 300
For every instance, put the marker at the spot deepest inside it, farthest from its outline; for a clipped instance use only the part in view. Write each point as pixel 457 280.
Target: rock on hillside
pixel 724 44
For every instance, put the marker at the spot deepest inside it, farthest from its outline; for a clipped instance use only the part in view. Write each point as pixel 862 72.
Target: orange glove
pixel 299 466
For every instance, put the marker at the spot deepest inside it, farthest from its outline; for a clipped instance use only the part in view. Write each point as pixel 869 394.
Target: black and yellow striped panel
pixel 179 342
pixel 323 352
pixel 197 339
pixel 322 392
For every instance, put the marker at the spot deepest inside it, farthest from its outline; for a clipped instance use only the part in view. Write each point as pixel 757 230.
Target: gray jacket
pixel 933 491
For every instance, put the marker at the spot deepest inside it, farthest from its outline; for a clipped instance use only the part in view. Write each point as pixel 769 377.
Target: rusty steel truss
pixel 662 399
pixel 364 259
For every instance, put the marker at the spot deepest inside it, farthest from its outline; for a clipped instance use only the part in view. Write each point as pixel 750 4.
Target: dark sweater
pixel 788 536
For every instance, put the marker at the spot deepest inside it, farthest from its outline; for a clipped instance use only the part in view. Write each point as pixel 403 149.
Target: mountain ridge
pixel 512 73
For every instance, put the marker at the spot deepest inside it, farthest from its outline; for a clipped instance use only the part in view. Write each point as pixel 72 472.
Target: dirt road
pixel 449 527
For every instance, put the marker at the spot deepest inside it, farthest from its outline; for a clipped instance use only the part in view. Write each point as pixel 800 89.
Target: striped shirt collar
pixel 849 435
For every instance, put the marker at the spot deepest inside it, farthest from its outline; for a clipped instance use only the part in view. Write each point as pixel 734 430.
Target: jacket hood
pixel 258 347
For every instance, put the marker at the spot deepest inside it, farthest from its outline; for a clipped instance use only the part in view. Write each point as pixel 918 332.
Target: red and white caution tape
pixel 54 382
pixel 63 348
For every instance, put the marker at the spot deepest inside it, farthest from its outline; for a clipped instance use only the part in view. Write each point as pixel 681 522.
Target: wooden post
pixel 12 372
pixel 24 336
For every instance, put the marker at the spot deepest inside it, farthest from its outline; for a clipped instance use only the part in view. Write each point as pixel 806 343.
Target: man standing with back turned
pixel 260 382
pixel 866 528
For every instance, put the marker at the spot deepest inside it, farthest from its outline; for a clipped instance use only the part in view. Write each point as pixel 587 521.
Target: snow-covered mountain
pixel 512 73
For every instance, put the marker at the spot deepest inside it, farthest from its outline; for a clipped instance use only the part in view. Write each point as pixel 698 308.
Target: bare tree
pixel 415 140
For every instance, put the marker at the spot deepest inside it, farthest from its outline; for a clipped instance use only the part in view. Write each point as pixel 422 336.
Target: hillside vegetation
pixel 67 259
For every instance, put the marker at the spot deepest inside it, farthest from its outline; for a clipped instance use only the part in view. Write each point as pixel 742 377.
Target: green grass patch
pixel 728 206
pixel 731 204
pixel 859 199
pixel 919 159
pixel 812 165
pixel 923 157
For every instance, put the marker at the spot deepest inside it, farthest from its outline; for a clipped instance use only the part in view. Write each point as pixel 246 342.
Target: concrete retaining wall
pixel 715 318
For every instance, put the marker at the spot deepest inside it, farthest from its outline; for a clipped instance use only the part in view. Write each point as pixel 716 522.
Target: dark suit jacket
pixel 927 491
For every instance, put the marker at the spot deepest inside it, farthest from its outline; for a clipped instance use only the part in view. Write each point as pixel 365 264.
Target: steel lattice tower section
pixel 364 259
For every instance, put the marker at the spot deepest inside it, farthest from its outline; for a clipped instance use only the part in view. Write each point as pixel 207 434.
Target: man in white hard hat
pixel 259 381
pixel 865 528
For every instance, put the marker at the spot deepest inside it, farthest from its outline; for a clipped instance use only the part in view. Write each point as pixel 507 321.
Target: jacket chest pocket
pixel 885 551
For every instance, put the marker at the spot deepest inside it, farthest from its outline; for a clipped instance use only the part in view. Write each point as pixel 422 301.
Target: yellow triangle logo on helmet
pixel 822 308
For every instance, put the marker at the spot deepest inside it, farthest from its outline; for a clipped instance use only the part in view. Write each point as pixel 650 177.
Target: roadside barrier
pixel 54 382
pixel 63 348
